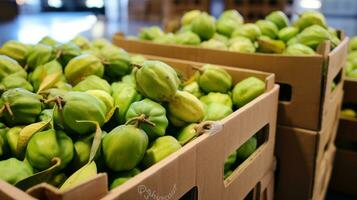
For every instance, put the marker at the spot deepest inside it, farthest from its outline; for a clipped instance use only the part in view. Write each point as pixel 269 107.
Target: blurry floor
pixel 64 26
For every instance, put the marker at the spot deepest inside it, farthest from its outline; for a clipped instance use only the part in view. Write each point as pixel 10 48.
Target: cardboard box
pixel 93 189
pixel 185 170
pixel 306 81
pixel 344 176
pixel 300 154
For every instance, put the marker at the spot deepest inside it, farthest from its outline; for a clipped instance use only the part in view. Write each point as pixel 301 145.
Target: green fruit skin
pixel 82 106
pixel 227 26
pixel 4 145
pixel 157 80
pixel 186 107
pixel 41 72
pixel 216 97
pixel 100 43
pixel 278 18
pixel 15 50
pixel 13 170
pixel 46 145
pixel 120 178
pixel 247 148
pixel 45 115
pixel 189 16
pixel 204 26
pixel 153 112
pixel 124 147
pixel 83 66
pixel 230 161
pixel 68 51
pixel 309 18
pixel 15 81
pixel 161 148
pixel 194 89
pixel 150 33
pixel 247 30
pixel 104 97
pixel 353 44
pixel 39 55
pixel 10 66
pixel 52 93
pixel 227 173
pixel 12 137
pixel 313 36
pixel 26 106
pixel 124 95
pixel 214 79
pixel 117 62
pixel 243 47
pixel 214 44
pixel 268 28
pixel 216 111
pixel 348 113
pixel 299 50
pixel 48 41
pixel 58 179
pixel 93 82
pixel 175 122
pixel 287 33
pixel 268 45
pixel 82 42
pixel 188 38
pixel 129 79
pixel 187 133
pixel 247 90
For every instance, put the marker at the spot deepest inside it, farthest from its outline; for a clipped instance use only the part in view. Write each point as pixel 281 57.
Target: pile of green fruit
pixel 349 113
pixel 239 156
pixel 351 64
pixel 274 34
pixel 71 110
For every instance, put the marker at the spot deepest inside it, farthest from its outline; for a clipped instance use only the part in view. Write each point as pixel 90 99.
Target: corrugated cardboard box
pixel 301 153
pixel 185 169
pixel 306 81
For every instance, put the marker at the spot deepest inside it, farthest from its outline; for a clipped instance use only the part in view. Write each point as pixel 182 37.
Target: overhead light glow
pixel 310 4
pixel 95 3
pixel 55 3
pixel 20 2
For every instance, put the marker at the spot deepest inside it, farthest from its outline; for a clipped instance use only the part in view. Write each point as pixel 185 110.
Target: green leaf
pixel 27 132
pixel 39 177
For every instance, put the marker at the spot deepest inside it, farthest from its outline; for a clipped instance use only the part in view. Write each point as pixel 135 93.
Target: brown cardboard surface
pixel 92 189
pixel 323 175
pixel 215 149
pixel 266 187
pixel 344 176
pixel 350 87
pixel 181 171
pixel 300 153
pixel 309 76
pixel 347 130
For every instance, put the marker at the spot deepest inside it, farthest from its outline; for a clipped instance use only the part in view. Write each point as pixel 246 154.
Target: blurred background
pixel 30 20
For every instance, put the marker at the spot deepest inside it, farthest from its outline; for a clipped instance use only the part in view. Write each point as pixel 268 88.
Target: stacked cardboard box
pixel 344 175
pixel 308 108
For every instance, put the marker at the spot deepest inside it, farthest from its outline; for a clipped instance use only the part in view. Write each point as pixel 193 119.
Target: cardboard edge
pixel 10 192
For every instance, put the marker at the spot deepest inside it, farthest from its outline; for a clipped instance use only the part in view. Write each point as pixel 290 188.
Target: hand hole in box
pixel 236 159
pixel 285 92
pixel 337 80
pixel 251 195
pixel 192 194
